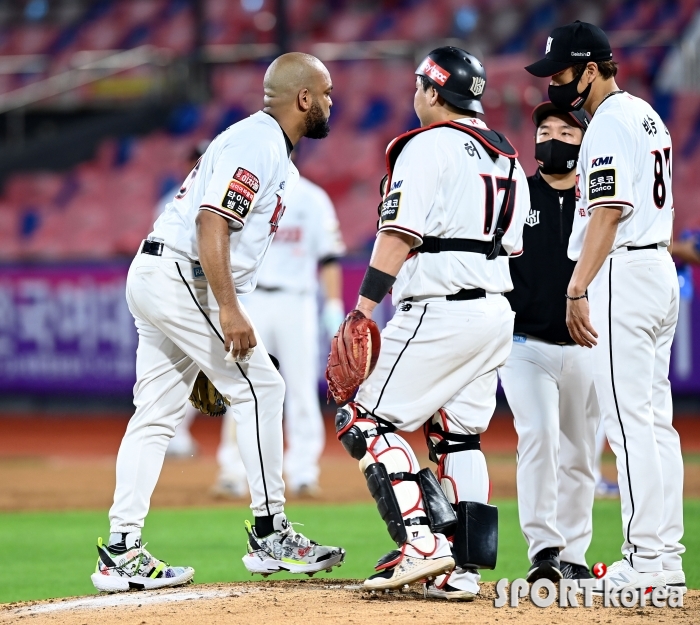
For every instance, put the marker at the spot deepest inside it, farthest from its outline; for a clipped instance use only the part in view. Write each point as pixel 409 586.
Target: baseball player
pixel 624 272
pixel 548 378
pixel 182 445
pixel 182 290
pixel 284 309
pixel 453 211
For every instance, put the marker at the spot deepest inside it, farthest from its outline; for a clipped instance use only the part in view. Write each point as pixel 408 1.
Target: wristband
pixel 584 296
pixel 376 284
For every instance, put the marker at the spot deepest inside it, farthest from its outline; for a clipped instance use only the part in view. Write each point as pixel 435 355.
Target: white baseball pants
pixel 550 391
pixel 288 325
pixel 177 318
pixel 443 354
pixel 634 308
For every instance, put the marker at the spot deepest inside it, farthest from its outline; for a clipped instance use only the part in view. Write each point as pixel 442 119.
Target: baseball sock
pixel 264 525
pixel 121 542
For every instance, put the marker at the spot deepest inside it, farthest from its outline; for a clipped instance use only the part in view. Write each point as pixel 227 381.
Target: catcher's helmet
pixel 459 77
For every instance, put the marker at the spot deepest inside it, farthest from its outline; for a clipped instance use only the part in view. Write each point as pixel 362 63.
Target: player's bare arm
pixel 214 244
pixel 388 256
pixel 597 244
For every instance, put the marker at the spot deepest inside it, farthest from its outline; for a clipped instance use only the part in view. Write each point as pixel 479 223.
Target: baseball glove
pixel 354 353
pixel 206 398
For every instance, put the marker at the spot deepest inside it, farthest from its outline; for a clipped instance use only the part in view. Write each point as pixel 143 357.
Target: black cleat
pixel 545 566
pixel 574 571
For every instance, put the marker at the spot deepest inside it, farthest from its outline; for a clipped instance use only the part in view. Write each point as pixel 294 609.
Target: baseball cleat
pixel 441 588
pixel 620 575
pixel 569 570
pixel 676 579
pixel 397 569
pixel 135 569
pixel 287 550
pixel 605 489
pixel 545 565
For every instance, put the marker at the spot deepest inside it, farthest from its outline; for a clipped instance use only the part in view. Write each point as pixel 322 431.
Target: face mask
pixel 557 157
pixel 566 97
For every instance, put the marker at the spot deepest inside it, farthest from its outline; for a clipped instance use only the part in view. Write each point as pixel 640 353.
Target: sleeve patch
pixel 601 183
pixel 390 207
pixel 238 198
pixel 248 179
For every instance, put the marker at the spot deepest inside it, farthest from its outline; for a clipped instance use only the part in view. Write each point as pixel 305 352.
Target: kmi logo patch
pixel 599 161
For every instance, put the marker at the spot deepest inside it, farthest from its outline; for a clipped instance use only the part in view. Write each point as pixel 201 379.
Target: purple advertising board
pixel 66 328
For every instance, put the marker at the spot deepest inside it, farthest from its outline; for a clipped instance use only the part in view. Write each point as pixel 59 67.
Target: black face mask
pixel 557 157
pixel 566 97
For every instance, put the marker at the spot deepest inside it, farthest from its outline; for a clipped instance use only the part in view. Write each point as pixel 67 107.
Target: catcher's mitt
pixel 206 398
pixel 354 353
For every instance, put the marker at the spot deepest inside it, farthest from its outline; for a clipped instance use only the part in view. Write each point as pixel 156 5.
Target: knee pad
pixel 475 543
pixel 442 442
pixel 354 426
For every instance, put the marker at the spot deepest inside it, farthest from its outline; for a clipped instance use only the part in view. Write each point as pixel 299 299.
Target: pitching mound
pixel 311 602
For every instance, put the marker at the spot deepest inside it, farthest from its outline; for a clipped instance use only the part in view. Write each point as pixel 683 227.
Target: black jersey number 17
pixel 490 201
pixel 659 188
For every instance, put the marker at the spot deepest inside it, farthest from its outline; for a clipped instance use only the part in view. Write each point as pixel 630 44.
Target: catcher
pixel 454 206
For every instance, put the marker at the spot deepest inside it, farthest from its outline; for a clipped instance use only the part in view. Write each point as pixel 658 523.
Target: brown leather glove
pixel 206 398
pixel 354 354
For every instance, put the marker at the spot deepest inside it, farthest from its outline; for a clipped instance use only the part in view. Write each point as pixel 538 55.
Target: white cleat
pixel 407 570
pixel 676 579
pixel 459 585
pixel 620 575
pixel 287 550
pixel 135 569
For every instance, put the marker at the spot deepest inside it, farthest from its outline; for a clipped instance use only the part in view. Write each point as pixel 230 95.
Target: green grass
pixel 45 555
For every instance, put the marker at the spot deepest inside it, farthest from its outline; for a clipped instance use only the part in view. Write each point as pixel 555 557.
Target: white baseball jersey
pixel 243 176
pixel 445 185
pixel 309 233
pixel 625 162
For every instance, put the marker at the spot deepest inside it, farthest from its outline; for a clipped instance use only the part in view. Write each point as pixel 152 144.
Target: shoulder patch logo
pixel 599 161
pixel 478 85
pixel 390 207
pixel 533 218
pixel 601 184
pixel 248 179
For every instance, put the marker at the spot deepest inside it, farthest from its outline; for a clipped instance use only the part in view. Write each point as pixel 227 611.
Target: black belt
pixel 154 248
pixel 268 289
pixel 651 246
pixel 435 245
pixel 460 296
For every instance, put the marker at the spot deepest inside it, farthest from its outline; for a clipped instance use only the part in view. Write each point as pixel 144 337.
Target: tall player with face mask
pixel 547 378
pixel 623 228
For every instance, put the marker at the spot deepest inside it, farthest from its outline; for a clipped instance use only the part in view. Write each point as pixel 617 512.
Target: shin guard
pixel 382 491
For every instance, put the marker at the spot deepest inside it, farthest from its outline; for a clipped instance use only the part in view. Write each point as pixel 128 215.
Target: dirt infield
pixel 49 463
pixel 315 602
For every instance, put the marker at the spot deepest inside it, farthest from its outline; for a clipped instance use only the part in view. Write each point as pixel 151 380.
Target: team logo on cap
pixel 549 45
pixel 477 87
pixel 432 70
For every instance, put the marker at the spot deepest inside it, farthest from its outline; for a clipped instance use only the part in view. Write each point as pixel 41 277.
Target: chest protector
pixel 495 145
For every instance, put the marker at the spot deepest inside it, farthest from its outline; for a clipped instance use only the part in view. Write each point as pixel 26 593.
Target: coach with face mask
pixel 547 378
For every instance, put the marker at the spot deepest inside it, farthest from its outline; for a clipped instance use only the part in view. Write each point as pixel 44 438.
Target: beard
pixel 317 126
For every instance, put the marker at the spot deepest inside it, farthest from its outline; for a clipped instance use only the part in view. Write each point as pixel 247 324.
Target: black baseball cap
pixel 545 109
pixel 570 45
